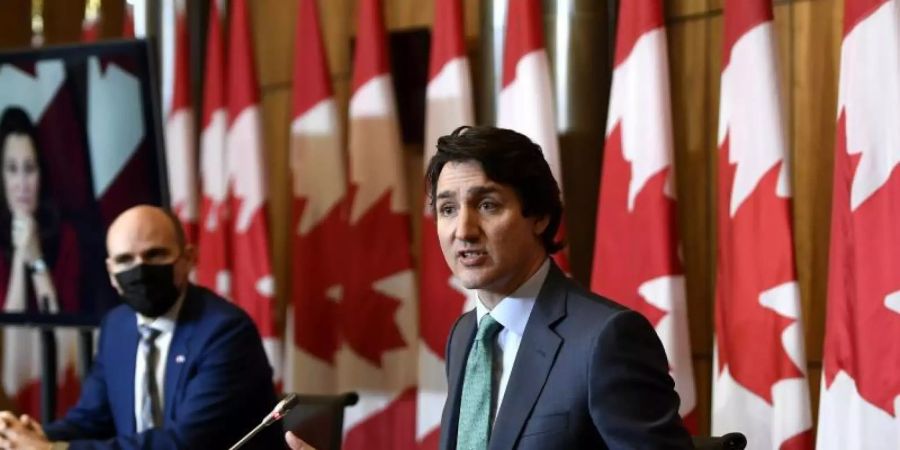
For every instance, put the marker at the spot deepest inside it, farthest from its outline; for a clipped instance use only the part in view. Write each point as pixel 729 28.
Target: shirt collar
pixel 514 310
pixel 166 322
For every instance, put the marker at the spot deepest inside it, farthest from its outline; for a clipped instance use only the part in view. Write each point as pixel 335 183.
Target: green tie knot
pixel 488 328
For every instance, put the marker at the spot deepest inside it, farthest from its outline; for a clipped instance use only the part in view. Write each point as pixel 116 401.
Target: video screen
pixel 80 142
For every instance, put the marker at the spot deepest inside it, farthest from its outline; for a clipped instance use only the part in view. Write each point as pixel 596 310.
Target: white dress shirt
pixel 512 312
pixel 166 326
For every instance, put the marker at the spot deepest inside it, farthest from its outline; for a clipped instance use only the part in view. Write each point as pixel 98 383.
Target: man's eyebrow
pixel 482 190
pixel 120 256
pixel 476 191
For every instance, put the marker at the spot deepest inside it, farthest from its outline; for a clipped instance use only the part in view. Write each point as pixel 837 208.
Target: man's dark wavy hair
pixel 507 158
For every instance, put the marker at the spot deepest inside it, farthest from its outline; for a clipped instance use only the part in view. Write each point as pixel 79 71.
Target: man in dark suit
pixel 177 367
pixel 540 363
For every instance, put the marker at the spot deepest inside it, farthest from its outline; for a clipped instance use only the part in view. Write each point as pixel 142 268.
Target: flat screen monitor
pixel 80 142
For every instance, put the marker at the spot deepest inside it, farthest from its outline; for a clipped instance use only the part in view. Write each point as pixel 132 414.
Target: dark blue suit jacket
pixel 218 383
pixel 589 374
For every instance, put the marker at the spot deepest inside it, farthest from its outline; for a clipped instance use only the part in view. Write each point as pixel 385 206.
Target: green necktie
pixel 474 428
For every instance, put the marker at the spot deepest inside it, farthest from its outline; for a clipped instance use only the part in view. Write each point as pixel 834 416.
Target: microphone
pixel 278 412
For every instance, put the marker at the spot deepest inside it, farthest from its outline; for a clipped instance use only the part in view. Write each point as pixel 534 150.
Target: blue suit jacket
pixel 218 383
pixel 589 374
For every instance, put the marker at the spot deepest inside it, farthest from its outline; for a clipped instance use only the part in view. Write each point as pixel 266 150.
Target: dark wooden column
pixel 62 21
pixel 112 19
pixel 15 24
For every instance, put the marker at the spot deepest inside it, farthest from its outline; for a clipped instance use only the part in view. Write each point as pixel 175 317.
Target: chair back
pixel 730 441
pixel 319 419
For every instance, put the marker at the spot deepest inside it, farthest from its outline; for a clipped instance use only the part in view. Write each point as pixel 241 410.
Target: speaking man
pixel 541 363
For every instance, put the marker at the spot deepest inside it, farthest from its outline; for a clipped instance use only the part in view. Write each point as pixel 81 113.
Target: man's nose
pixel 468 227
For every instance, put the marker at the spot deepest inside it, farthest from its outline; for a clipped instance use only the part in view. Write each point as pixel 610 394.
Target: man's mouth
pixel 472 257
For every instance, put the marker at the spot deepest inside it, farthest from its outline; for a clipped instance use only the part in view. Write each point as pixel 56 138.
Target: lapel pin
pixel 179 359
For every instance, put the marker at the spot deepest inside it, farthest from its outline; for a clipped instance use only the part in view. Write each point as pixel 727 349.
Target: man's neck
pixel 491 299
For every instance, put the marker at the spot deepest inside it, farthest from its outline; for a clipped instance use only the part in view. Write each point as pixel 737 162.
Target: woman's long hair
pixel 16 121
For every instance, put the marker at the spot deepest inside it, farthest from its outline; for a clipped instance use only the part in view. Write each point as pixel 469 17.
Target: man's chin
pixel 472 281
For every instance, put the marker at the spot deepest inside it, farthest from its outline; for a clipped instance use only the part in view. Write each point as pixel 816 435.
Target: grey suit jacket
pixel 589 374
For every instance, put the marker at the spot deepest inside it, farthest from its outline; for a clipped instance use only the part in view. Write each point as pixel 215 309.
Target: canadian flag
pixel 448 105
pixel 860 396
pixel 376 353
pixel 759 376
pixel 213 249
pixel 319 222
pixel 180 154
pixel 251 269
pixel 526 100
pixel 636 259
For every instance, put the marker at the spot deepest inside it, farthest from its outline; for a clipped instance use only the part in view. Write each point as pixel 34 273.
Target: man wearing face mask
pixel 177 366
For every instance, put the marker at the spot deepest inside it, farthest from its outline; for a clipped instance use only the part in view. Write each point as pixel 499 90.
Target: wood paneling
pixel 273 38
pixel 686 8
pixel 816 38
pixel 276 107
pixel 62 21
pixel 112 19
pixel 15 24
pixel 688 49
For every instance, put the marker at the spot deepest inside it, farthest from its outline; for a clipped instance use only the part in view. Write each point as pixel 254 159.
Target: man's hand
pixel 296 443
pixel 21 433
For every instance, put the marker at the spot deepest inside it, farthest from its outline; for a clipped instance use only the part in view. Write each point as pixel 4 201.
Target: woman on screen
pixel 39 261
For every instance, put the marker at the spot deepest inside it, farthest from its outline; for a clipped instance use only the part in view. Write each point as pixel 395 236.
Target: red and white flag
pixel 860 396
pixel 526 99
pixel 759 373
pixel 180 153
pixel 319 220
pixel 448 105
pixel 377 305
pixel 253 286
pixel 636 257
pixel 212 245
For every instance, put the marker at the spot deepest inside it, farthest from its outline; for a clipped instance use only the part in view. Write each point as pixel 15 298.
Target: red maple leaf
pixel 864 268
pixel 212 245
pixel 636 246
pixel 350 259
pixel 755 254
pixel 377 247
pixel 251 264
pixel 318 266
pixel 440 303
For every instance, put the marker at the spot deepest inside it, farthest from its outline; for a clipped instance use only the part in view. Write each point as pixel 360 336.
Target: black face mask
pixel 149 288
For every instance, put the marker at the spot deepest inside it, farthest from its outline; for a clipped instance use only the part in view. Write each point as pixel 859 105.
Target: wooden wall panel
pixel 676 9
pixel 817 32
pixel 62 21
pixel 688 49
pixel 112 19
pixel 273 25
pixel 15 24
pixel 275 111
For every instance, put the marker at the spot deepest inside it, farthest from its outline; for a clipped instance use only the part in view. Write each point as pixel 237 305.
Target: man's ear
pixel 112 277
pixel 190 254
pixel 540 225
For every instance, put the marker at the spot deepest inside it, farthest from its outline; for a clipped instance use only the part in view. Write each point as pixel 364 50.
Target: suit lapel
pixel 462 341
pixel 121 366
pixel 535 358
pixel 179 350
